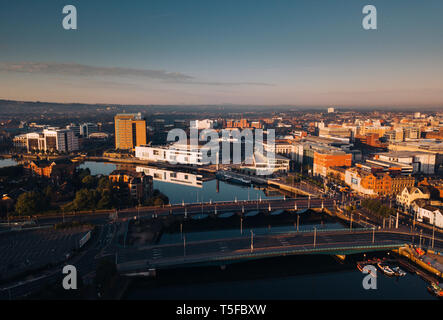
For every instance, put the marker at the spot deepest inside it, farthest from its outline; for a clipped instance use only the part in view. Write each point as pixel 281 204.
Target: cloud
pixel 74 69
pixel 218 83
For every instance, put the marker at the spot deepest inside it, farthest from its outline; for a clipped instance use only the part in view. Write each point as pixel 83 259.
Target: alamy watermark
pixel 369 21
pixel 369 281
pixel 70 280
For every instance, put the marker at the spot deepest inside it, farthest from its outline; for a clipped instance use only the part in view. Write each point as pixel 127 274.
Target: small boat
pixel 386 270
pixel 239 180
pixel 362 265
pixel 435 289
pixel 398 272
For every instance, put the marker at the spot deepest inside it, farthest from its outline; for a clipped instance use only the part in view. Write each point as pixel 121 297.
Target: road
pixel 235 248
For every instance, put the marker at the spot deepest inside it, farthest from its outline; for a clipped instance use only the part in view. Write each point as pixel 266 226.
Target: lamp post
pixel 241 225
pixel 433 231
pixel 252 241
pixel 373 234
pixel 315 236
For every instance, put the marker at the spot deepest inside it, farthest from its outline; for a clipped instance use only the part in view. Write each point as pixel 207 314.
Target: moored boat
pixel 386 270
pixel 435 289
pixel 398 272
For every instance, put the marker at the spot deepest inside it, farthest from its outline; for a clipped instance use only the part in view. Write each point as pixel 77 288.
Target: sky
pixel 264 52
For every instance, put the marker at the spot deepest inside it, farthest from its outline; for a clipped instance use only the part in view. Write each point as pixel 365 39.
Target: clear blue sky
pixel 231 51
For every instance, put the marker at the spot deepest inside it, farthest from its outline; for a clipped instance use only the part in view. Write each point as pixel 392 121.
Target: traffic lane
pixel 225 246
pixel 305 240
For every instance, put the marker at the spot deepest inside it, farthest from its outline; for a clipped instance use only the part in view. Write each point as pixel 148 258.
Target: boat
pixel 386 270
pixel 231 177
pixel 239 180
pixel 398 272
pixel 362 265
pixel 435 289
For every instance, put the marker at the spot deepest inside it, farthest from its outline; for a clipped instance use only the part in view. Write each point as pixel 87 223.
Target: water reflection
pixel 169 176
pixel 7 163
pixel 186 187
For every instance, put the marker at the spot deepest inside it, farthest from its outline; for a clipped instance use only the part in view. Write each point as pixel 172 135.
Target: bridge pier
pixel 152 272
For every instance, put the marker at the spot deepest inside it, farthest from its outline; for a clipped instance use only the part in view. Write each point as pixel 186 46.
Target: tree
pixel 29 203
pixel 85 199
pixel 89 181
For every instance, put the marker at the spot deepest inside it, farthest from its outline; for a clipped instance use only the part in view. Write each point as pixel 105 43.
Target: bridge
pixel 236 206
pixel 250 246
pixel 301 188
pixel 186 209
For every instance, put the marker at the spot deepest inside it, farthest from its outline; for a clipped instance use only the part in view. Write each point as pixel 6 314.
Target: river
pixel 296 277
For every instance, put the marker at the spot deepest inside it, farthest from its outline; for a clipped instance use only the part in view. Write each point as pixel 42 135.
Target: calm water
pixel 98 167
pixel 7 163
pixel 288 278
pixel 178 193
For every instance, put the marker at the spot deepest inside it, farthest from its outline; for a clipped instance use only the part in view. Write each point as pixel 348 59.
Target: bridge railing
pixel 201 258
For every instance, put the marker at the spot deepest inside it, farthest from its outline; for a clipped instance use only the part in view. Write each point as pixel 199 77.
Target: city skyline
pixel 200 52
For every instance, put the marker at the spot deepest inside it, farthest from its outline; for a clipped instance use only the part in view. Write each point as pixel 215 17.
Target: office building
pixel 130 131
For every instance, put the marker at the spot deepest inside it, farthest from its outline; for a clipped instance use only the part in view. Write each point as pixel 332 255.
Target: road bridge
pixel 247 247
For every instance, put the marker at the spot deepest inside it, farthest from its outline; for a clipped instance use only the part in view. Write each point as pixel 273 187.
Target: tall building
pixel 130 131
pixel 52 139
pixel 88 128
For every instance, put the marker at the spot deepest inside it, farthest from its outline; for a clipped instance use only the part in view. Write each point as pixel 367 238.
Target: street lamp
pixel 373 234
pixel 433 231
pixel 241 225
pixel 315 235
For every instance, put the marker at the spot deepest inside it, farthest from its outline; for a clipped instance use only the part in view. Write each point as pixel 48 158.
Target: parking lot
pixel 26 250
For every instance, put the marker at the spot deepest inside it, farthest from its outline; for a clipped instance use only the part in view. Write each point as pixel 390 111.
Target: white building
pixel 421 162
pixel 409 195
pixel 173 154
pixel 64 140
pixel 430 215
pixel 20 141
pixel 202 124
pixel 266 165
pixel 86 129
pixel 52 139
pixel 331 110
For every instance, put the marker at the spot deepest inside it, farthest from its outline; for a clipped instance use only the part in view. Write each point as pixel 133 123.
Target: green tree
pixel 30 203
pixel 89 181
pixel 85 199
